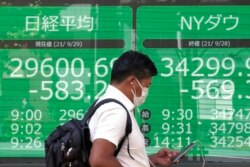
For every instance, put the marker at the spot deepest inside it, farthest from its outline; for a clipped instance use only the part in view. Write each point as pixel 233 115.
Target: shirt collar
pixel 112 92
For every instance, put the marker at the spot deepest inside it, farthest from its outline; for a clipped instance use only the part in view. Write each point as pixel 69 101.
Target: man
pixel 131 78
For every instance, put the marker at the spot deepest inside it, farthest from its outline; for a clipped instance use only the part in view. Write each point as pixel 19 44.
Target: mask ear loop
pixel 133 91
pixel 136 107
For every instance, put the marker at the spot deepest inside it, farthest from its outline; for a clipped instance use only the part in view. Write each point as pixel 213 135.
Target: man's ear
pixel 130 80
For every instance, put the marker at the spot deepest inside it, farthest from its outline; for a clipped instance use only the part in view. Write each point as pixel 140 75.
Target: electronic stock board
pixel 56 60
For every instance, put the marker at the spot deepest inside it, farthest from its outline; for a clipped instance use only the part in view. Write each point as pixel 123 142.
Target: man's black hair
pixel 133 63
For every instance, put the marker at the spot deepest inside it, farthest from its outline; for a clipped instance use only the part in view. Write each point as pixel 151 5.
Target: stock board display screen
pixel 57 64
pixel 56 60
pixel 202 91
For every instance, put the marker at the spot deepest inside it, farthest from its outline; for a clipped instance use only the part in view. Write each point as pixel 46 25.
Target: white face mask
pixel 140 100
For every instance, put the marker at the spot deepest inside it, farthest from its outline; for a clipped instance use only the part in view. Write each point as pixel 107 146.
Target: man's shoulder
pixel 111 104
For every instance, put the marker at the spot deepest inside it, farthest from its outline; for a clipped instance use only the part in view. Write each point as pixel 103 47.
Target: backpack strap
pixel 89 113
pixel 128 128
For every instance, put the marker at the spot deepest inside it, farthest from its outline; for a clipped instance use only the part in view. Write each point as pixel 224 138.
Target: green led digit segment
pixel 202 91
pixel 54 62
